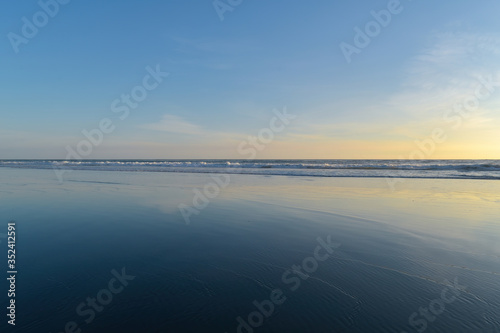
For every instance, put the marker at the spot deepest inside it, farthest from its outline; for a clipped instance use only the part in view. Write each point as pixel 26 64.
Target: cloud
pixel 447 73
pixel 190 45
pixel 443 74
pixel 452 65
pixel 174 124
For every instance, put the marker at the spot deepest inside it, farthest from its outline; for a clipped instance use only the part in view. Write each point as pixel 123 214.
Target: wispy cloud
pixel 174 124
pixel 449 68
pixel 189 45
pixel 441 75
pixel 446 73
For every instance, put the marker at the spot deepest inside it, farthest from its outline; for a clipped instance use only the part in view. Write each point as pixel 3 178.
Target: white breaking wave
pixel 468 169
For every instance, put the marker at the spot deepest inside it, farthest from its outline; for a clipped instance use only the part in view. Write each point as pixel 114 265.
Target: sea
pixel 439 169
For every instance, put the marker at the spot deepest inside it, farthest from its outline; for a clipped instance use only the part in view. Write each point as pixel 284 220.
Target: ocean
pixel 439 169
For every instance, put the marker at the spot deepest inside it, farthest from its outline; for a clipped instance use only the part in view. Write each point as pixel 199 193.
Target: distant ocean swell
pixel 466 169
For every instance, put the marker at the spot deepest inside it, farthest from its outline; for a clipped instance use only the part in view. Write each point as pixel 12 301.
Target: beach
pixel 106 251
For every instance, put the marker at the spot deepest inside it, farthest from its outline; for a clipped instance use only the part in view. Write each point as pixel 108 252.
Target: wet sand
pixel 260 253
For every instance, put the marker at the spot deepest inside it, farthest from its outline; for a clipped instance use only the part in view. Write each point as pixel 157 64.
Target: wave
pixel 472 169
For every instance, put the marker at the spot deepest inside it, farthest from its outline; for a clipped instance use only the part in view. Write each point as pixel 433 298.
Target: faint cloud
pixel 441 75
pixel 189 45
pixel 174 124
pixel 209 53
pixel 454 61
pixel 446 73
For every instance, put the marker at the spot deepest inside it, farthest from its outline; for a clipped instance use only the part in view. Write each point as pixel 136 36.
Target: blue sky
pixel 227 76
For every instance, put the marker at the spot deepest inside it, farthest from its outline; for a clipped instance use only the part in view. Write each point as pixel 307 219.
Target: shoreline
pixel 211 172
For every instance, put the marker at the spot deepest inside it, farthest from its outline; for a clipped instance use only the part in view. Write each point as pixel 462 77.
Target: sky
pixel 180 79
